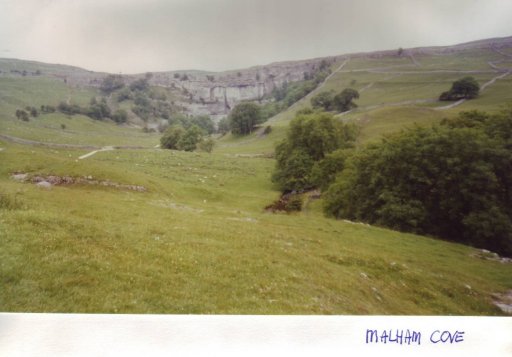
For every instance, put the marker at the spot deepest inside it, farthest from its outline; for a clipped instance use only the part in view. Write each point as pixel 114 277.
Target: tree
pixel 323 100
pixel 223 126
pixel 120 116
pixel 190 139
pixel 111 83
pixel 98 110
pixel 172 137
pixel 344 100
pixel 22 115
pixel 244 117
pixel 140 84
pixel 204 122
pixel 453 180
pixel 293 171
pixel 465 88
pixel 309 139
pixel 324 172
pixel 33 112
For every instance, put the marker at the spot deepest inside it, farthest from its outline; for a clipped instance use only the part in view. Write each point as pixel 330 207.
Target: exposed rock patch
pixel 488 255
pixel 504 301
pixel 44 184
pixel 54 180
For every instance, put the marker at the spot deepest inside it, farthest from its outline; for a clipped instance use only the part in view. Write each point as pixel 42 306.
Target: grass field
pixel 199 240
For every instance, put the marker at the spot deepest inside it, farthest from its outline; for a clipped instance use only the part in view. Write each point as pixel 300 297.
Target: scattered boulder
pixel 488 255
pixel 504 301
pixel 19 177
pixel 44 184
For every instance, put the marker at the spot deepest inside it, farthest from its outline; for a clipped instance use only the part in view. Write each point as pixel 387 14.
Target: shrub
pixel 171 137
pixel 190 139
pixel 120 116
pixel 140 84
pixel 111 83
pixel 293 204
pixel 206 145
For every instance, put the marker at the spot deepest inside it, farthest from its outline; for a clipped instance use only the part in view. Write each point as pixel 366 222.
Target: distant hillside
pixel 215 93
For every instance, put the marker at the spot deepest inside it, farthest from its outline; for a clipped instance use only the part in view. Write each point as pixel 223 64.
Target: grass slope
pixel 17 93
pixel 199 241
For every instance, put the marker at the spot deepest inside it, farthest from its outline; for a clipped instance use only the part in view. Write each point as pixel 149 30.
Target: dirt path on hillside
pixel 106 148
pixel 368 86
pixel 485 85
pixel 452 105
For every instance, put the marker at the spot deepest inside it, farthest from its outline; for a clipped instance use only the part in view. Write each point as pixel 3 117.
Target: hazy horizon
pixel 129 36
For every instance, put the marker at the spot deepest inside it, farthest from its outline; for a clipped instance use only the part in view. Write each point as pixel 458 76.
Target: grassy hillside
pixel 198 240
pixel 19 92
pixel 397 91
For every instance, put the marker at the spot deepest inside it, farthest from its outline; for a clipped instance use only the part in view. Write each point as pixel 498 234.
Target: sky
pixel 135 36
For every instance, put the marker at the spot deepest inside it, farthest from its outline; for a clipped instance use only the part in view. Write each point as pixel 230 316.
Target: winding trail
pixel 452 105
pixel 485 85
pixel 106 148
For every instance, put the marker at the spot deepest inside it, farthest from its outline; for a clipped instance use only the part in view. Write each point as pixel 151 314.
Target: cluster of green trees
pixel 22 115
pixel 25 114
pixel 97 109
pixel 341 102
pixel 204 122
pixel 148 103
pixel 465 88
pixel 176 137
pixel 452 180
pixel 315 146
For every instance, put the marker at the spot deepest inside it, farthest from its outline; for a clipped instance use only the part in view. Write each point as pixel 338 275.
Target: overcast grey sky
pixel 132 36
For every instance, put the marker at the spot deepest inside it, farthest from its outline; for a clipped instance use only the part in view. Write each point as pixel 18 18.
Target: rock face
pixel 216 94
